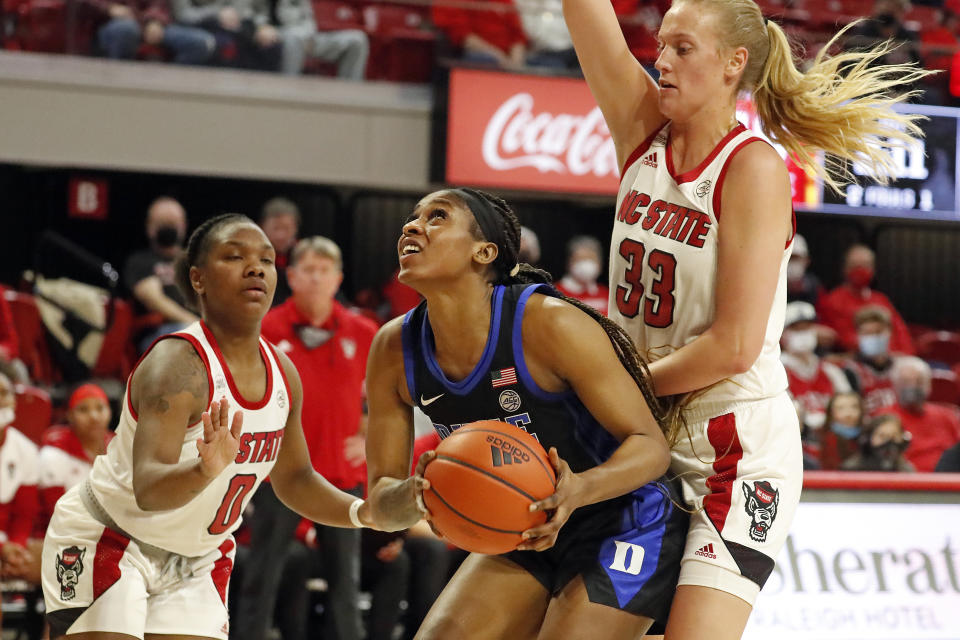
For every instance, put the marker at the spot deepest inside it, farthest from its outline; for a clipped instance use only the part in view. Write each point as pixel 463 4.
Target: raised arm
pixel 586 362
pixel 293 477
pixel 625 92
pixel 756 205
pixel 393 491
pixel 169 391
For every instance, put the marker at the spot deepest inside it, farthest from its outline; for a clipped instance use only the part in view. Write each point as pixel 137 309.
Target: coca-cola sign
pixel 527 132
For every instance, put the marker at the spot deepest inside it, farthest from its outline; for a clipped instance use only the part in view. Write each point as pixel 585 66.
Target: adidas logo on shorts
pixel 706 551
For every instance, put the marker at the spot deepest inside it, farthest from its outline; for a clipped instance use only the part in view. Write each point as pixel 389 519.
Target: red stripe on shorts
pixel 722 433
pixel 106 561
pixel 221 570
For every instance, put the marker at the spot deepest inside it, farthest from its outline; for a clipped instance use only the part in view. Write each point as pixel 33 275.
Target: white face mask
pixel 795 270
pixel 585 271
pixel 801 342
pixel 6 416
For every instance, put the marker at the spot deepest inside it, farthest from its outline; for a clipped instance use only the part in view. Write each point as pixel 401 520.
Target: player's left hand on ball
pixel 221 440
pixel 559 506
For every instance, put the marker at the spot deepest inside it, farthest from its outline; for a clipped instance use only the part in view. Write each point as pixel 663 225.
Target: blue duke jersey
pixel 500 386
pixel 663 262
pixel 207 520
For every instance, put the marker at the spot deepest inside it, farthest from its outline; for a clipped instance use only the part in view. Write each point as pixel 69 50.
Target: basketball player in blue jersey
pixel 143 548
pixel 704 306
pixel 492 341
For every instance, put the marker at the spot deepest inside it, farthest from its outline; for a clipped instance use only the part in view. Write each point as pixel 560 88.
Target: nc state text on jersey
pixel 259 447
pixel 675 222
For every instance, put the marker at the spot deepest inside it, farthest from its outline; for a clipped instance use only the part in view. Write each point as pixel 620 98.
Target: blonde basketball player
pixel 143 548
pixel 698 261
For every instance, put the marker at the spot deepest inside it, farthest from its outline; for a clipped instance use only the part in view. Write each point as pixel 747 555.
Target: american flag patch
pixel 504 377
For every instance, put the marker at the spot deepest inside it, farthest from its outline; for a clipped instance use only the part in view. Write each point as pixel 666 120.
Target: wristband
pixel 354 517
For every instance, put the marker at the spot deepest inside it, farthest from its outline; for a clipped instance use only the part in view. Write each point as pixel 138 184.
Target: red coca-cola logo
pixel 525 132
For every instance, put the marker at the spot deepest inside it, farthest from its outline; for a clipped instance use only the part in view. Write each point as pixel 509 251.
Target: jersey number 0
pixel 658 308
pixel 232 504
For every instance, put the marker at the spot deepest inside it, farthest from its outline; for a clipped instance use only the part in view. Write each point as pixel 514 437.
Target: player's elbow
pixel 144 497
pixel 739 351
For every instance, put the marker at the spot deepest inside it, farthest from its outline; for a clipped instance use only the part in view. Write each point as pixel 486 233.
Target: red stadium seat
pixel 34 350
pixel 939 346
pixel 42 26
pixel 401 49
pixel 118 352
pixel 34 412
pixel 944 386
pixel 331 15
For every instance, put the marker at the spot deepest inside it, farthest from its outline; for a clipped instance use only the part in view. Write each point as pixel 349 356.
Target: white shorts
pixel 96 579
pixel 741 469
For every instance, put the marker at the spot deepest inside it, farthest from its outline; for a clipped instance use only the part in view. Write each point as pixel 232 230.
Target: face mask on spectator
pixel 845 430
pixel 585 271
pixel 874 344
pixel 166 236
pixel 6 416
pixel 860 277
pixel 801 342
pixel 911 396
pixel 796 270
pixel 883 457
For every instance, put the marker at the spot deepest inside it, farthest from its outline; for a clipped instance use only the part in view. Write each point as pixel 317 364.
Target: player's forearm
pixel 701 363
pixel 639 460
pixel 158 486
pixel 313 497
pixel 393 504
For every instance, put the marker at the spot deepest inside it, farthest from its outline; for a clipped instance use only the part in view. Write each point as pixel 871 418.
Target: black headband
pixel 491 225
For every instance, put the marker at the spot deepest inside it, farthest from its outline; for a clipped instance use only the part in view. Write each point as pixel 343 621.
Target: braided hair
pixel 196 254
pixel 508 270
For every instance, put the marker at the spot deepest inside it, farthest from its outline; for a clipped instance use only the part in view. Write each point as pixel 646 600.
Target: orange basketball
pixel 482 482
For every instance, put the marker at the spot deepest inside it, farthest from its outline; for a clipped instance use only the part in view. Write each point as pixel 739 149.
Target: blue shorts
pixel 627 550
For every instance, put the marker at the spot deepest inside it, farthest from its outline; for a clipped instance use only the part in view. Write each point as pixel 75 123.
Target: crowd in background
pixel 403 40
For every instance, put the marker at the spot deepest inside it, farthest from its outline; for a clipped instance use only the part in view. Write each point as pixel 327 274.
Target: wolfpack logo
pixel 650 160
pixel 349 348
pixel 69 568
pixel 281 398
pixel 510 400
pixel 761 504
pixel 703 188
pixel 504 452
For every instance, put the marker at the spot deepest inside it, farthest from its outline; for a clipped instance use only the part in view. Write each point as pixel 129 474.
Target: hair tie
pixel 515 270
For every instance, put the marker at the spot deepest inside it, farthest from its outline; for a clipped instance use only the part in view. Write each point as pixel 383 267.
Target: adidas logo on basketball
pixel 650 160
pixel 706 551
pixel 504 452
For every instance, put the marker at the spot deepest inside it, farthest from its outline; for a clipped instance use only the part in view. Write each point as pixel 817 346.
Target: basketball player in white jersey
pixel 143 549
pixel 698 261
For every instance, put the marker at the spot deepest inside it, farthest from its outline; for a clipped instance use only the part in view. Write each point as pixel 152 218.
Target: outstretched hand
pixel 221 440
pixel 562 503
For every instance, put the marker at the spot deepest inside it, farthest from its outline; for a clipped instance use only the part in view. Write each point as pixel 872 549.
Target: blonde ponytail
pixel 842 105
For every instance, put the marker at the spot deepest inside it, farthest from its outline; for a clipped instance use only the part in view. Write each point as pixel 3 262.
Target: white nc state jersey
pixel 201 525
pixel 663 262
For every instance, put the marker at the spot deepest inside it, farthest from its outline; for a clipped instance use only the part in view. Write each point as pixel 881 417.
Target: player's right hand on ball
pixel 421 484
pixel 221 440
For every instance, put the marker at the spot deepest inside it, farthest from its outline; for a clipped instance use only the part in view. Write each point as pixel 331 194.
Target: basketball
pixel 482 482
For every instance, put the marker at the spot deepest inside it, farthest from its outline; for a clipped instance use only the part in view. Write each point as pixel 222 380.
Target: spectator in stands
pixel 547 34
pixel 886 23
pixel 385 574
pixel 529 246
pixel 882 443
pixel 241 41
pixel 583 268
pixel 19 504
pixel 933 427
pixel 280 220
pixel 67 451
pixel 329 346
pixel 492 35
pixel 802 284
pixel 950 460
pixel 813 381
pixel 869 369
pixel 837 308
pixel 838 438
pixel 128 24
pixel 940 43
pixel 348 49
pixel 10 343
pixel 149 273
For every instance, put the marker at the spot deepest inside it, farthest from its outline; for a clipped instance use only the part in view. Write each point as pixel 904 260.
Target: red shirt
pixel 934 430
pixel 813 393
pixel 873 385
pixel 837 308
pixel 596 295
pixel 332 376
pixel 500 26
